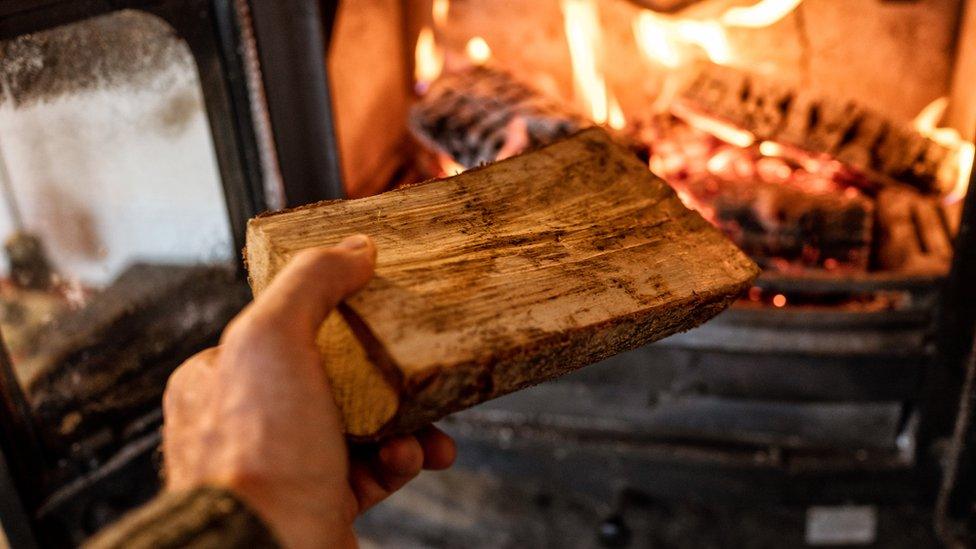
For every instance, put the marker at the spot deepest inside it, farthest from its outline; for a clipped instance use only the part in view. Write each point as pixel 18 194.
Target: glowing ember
pixel 771 148
pixel 760 14
pixel 926 123
pixel 784 205
pixel 582 25
pixel 478 51
pixel 755 293
pixel 726 132
pixel 428 60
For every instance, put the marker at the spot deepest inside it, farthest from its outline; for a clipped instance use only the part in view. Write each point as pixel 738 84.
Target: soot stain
pixel 126 48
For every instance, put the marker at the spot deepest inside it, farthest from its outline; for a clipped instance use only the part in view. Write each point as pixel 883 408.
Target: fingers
pixel 439 449
pixel 312 284
pixel 376 473
pixel 381 472
pixel 400 458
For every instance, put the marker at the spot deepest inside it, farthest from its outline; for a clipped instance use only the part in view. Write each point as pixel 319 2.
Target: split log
pixel 503 277
pixel 860 137
pixel 474 114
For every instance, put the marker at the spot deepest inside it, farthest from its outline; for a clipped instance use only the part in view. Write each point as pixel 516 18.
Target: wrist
pixel 296 517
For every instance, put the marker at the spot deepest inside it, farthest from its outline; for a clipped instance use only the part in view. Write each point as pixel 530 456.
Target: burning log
pixel 483 114
pixel 774 222
pixel 781 224
pixel 785 211
pixel 503 277
pixel 915 233
pixel 864 139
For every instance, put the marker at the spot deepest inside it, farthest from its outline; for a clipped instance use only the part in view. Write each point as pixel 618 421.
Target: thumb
pixel 304 293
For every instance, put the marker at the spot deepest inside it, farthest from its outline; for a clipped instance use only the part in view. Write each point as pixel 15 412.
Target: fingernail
pixel 354 242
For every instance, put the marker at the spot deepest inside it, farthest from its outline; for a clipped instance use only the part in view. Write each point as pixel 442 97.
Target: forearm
pixel 200 518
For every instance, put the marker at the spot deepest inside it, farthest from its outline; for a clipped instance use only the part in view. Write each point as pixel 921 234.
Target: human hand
pixel 256 415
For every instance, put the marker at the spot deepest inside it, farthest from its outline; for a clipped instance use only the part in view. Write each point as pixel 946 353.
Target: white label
pixel 842 525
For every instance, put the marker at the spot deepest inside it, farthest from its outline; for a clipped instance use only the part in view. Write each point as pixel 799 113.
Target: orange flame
pixel 761 14
pixel 668 40
pixel 428 60
pixel 478 50
pixel 928 119
pixel 662 39
pixel 709 36
pixel 926 123
pixel 582 26
pixel 440 10
pixel 615 115
pixel 655 39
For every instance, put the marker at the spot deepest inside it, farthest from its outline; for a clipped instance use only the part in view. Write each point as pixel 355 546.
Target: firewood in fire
pixel 775 222
pixel 503 277
pixel 915 233
pixel 786 211
pixel 481 114
pixel 864 139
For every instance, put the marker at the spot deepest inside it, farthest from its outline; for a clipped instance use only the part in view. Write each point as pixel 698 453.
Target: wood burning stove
pixel 837 379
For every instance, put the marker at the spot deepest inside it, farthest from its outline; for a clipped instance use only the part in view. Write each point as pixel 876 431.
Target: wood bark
pixel 858 136
pixel 503 277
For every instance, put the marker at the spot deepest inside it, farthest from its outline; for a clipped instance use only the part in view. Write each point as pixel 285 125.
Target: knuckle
pixel 245 330
pixel 174 387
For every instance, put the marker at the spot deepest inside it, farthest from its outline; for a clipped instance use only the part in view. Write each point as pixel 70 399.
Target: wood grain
pixel 503 277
